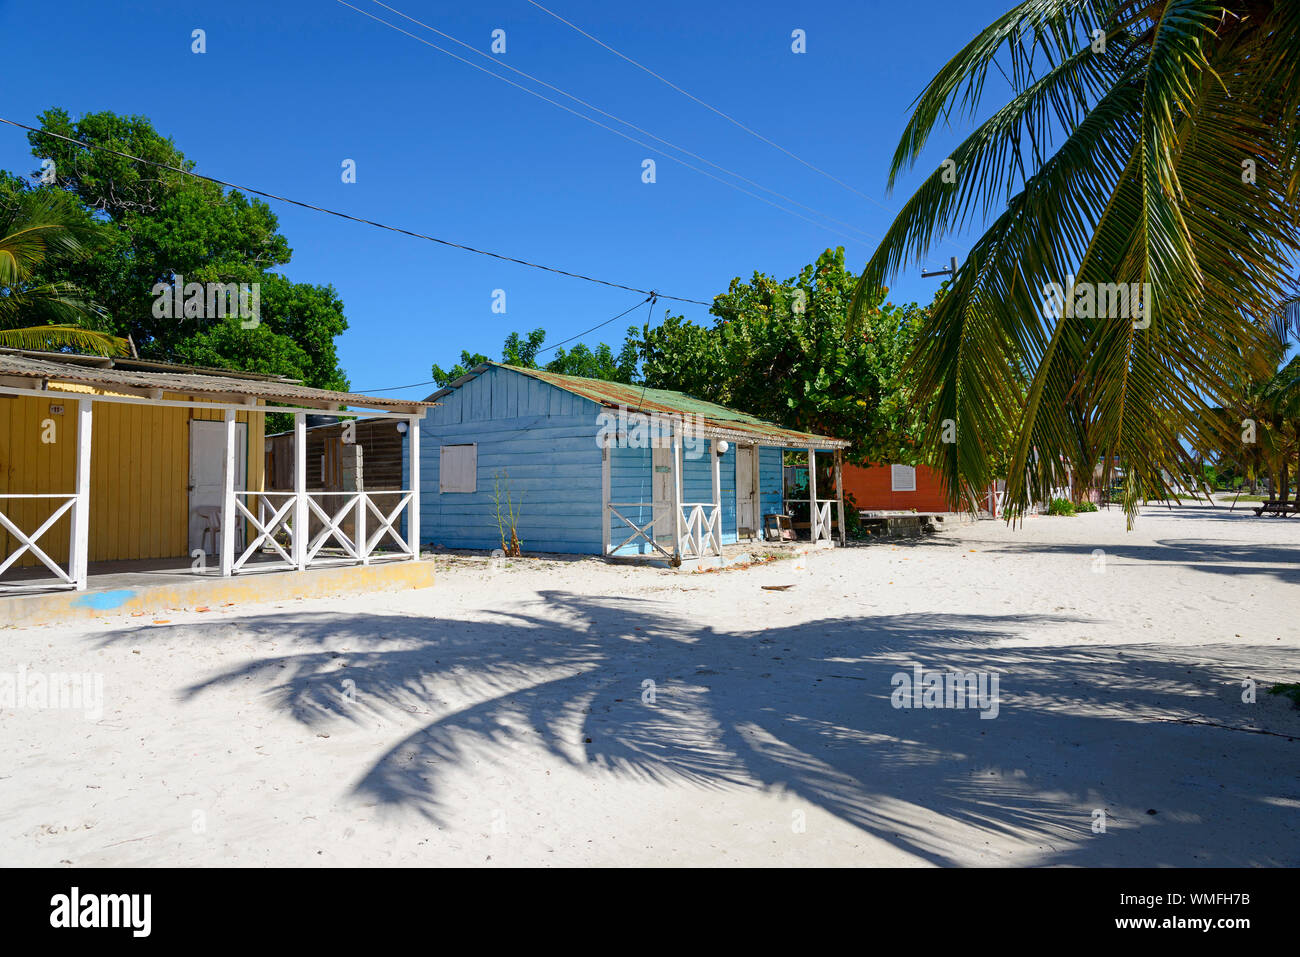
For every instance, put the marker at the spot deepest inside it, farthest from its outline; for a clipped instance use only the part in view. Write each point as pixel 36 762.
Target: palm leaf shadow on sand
pixel 802 708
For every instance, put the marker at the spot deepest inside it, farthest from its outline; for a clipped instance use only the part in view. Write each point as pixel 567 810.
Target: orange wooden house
pixel 895 488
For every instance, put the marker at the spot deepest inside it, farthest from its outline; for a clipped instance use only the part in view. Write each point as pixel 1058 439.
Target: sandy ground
pixel 503 717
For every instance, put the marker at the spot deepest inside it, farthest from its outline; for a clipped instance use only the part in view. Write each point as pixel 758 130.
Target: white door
pixel 207 465
pixel 665 526
pixel 747 490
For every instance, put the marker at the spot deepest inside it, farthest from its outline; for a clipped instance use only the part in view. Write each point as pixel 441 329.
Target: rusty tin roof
pixel 728 423
pixel 104 374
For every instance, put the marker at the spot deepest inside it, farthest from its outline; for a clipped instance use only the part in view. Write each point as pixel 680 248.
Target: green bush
pixel 1086 507
pixel 1060 506
pixel 1291 691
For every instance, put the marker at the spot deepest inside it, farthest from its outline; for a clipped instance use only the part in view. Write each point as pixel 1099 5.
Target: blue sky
pixel 288 90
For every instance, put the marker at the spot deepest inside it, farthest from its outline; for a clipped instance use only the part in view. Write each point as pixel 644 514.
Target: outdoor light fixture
pixel 401 427
pixel 722 447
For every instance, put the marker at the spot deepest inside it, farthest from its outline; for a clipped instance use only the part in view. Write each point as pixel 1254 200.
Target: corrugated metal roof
pixel 634 398
pixel 144 365
pixel 271 390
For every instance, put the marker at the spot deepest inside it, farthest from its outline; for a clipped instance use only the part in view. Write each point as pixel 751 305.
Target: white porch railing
pixel 644 532
pixel 276 514
pixel 699 529
pixel 820 527
pixel 386 522
pixel 27 543
pixel 701 526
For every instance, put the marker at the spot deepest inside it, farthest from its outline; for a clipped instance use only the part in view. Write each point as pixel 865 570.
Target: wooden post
pixel 676 496
pixel 839 496
pixel 604 493
pixel 413 526
pixel 79 537
pixel 228 499
pixel 352 476
pixel 301 536
pixel 715 525
pixel 812 497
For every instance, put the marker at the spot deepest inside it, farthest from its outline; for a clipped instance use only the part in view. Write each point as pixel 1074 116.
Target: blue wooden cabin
pixel 603 468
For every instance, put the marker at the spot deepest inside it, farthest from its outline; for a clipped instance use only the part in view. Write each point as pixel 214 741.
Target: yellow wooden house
pixel 118 460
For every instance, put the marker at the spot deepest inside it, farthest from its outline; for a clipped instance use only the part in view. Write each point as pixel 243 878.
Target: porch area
pixel 155 482
pixel 668 518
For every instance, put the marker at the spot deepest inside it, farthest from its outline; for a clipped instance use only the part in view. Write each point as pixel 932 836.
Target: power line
pixel 650 299
pixel 355 219
pixel 595 122
pixel 617 119
pixel 708 106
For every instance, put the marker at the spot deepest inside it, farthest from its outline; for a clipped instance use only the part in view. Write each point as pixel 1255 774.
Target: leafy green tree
pixel 37 228
pixel 782 351
pixel 468 360
pixel 522 350
pixel 598 363
pixel 154 225
pixel 1153 144
pixel 581 360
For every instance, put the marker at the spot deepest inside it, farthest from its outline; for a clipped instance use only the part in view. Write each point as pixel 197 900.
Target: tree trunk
pixel 1297 481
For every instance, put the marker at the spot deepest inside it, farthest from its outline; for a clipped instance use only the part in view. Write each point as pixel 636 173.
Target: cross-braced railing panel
pixel 274 513
pixel 27 543
pixel 822 529
pixel 387 522
pixel 645 532
pixel 332 526
pixel 701 530
pixel 370 525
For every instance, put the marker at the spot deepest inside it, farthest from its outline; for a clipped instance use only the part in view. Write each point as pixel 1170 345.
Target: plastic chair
pixel 211 516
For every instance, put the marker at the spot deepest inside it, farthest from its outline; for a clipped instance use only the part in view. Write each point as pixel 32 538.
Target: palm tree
pixel 1149 143
pixel 36 314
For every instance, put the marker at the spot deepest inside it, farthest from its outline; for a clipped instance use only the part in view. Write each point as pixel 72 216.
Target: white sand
pixel 226 738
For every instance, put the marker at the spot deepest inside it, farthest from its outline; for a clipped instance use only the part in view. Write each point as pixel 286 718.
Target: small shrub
pixel 1086 507
pixel 1287 691
pixel 507 522
pixel 1060 506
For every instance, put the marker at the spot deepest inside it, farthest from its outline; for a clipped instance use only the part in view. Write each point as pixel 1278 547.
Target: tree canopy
pixel 780 350
pixel 152 225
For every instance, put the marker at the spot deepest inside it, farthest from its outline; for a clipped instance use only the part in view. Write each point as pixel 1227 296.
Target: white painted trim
pixel 79 537
pixel 300 524
pixel 604 496
pixel 228 498
pixel 715 521
pixel 413 519
pixel 677 495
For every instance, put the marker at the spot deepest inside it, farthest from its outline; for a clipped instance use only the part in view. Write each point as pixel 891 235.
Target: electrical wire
pixel 355 219
pixel 604 126
pixel 618 119
pixel 649 299
pixel 726 116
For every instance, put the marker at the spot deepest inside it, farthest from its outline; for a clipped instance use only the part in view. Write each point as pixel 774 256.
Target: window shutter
pixel 902 478
pixel 458 468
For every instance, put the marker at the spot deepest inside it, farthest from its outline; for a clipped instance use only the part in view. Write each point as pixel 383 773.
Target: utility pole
pixel 950 271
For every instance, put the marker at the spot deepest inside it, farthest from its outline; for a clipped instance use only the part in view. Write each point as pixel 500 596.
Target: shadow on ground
pixel 806 708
